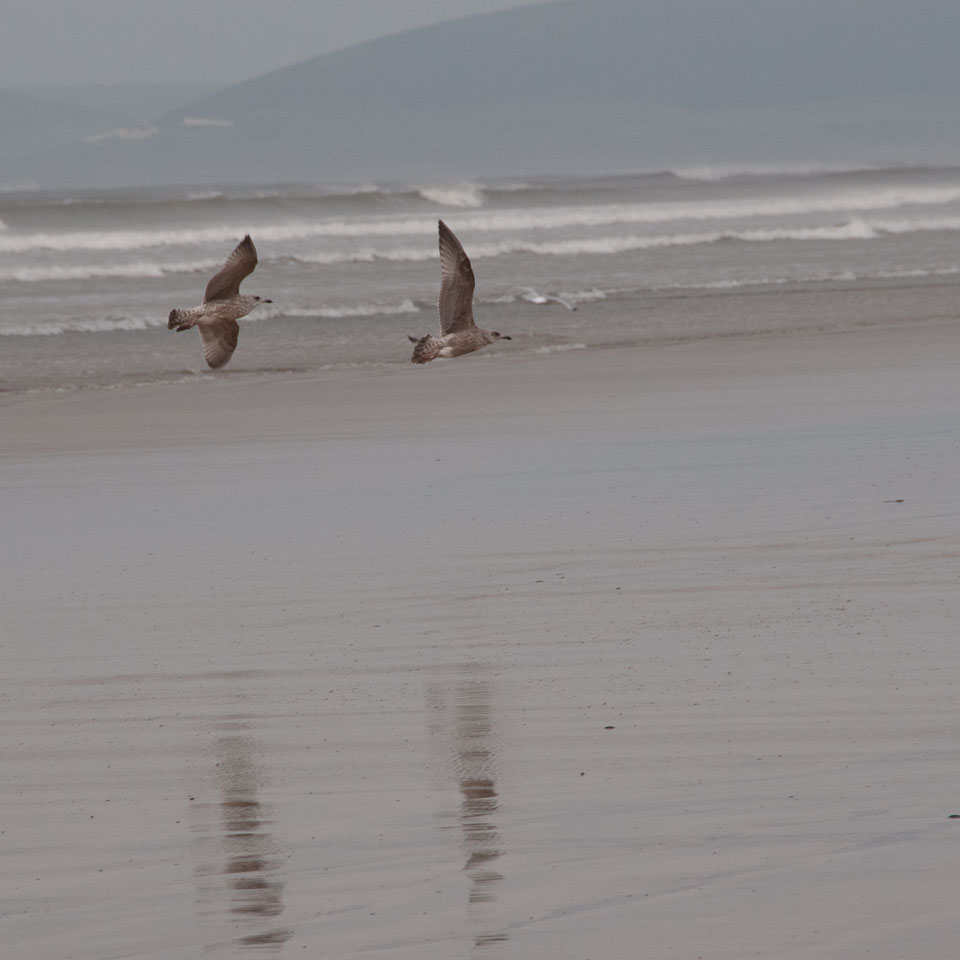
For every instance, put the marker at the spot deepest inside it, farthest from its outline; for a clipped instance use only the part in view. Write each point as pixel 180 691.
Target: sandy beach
pixel 597 655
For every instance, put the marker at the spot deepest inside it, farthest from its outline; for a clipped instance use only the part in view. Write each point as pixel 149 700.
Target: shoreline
pixel 179 396
pixel 297 347
pixel 515 361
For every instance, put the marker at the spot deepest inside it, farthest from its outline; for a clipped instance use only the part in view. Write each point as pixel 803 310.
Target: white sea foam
pixel 707 173
pixel 460 195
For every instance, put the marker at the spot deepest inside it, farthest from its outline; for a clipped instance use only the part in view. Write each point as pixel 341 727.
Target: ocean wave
pixel 339 312
pixel 853 229
pixel 848 201
pixel 820 276
pixel 716 173
pixel 125 324
pixel 365 310
pixel 143 269
pixel 856 229
pixel 125 239
pixel 100 325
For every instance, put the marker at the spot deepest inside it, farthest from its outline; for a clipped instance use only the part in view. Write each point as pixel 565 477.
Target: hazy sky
pixel 66 42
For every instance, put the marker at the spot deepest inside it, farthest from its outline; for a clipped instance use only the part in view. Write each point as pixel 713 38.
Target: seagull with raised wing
pixel 223 305
pixel 458 332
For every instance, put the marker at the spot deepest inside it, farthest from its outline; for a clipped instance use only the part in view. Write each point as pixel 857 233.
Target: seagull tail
pixel 182 319
pixel 426 348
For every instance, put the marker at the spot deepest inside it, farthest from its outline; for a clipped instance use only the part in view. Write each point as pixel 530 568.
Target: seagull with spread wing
pixel 223 305
pixel 458 332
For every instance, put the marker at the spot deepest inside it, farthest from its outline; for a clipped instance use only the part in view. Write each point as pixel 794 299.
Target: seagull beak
pixel 505 337
pixel 266 301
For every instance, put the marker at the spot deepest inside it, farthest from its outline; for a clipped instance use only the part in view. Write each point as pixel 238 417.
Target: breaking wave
pixel 461 195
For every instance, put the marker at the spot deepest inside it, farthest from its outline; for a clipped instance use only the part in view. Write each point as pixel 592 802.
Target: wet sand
pixel 608 654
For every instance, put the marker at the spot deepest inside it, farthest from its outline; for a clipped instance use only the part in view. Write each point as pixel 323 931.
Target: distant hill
pixel 580 86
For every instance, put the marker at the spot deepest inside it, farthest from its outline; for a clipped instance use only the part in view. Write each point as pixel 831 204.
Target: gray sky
pixel 66 42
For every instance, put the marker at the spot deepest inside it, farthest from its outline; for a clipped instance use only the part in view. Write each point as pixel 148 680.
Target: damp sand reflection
pixel 240 881
pixel 472 755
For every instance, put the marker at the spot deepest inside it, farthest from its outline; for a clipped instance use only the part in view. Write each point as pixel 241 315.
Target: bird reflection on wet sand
pixel 474 760
pixel 239 875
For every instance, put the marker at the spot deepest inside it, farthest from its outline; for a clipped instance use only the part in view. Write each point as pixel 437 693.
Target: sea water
pixel 87 278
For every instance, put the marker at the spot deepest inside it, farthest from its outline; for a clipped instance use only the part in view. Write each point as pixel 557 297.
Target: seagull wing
pixel 219 340
pixel 240 264
pixel 456 284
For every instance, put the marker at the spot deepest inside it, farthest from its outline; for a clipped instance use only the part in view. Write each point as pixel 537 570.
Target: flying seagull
pixel 458 332
pixel 532 296
pixel 223 304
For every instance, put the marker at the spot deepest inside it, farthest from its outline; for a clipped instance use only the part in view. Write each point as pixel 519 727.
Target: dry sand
pixel 649 653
